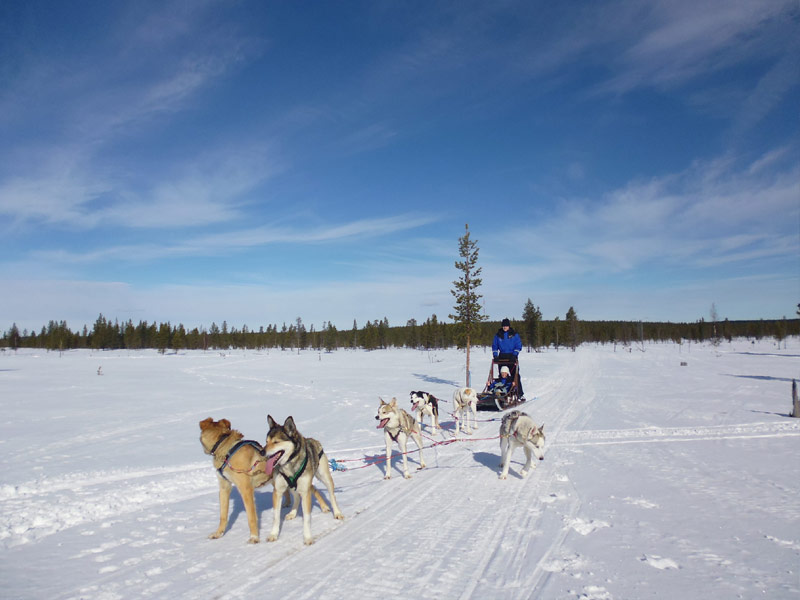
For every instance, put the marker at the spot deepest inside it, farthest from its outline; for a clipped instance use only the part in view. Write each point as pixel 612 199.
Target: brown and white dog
pixel 464 401
pixel 398 426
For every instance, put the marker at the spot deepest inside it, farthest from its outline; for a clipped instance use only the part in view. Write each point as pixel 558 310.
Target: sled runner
pixel 501 398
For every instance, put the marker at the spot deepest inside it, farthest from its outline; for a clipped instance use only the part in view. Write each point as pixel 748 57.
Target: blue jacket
pixel 503 382
pixel 506 342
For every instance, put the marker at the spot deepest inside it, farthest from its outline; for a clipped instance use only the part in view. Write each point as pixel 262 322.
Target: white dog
pixel 398 426
pixel 423 403
pixel 464 400
pixel 518 429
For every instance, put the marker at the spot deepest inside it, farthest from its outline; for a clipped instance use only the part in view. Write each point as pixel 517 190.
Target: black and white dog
pixel 423 403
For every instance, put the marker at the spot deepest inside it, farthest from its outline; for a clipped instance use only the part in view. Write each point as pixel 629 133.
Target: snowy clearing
pixel 659 480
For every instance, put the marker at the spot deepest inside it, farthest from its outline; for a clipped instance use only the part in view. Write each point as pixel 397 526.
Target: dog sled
pixel 501 398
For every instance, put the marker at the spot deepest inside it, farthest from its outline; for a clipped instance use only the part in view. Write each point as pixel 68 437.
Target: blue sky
pixel 256 162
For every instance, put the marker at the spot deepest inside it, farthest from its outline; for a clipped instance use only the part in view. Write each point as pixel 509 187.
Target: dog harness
pixel 234 449
pixel 292 481
pixel 401 429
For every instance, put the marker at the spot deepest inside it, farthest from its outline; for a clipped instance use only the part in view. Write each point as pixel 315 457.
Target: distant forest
pixel 373 335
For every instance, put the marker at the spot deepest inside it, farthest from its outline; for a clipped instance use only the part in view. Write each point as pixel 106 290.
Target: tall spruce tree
pixel 572 328
pixel 532 317
pixel 467 316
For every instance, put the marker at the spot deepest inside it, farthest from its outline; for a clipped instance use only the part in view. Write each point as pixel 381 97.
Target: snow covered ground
pixel 659 480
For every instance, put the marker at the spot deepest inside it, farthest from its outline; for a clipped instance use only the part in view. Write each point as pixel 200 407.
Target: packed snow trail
pixel 442 531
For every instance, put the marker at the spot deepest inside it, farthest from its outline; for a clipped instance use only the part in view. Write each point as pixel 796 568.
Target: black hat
pixel 506 322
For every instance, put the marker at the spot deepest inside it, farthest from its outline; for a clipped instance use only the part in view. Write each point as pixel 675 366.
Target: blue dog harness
pixel 236 447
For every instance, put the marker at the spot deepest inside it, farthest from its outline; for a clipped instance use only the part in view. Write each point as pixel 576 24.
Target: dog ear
pixel 289 426
pixel 541 428
pixel 394 402
pixel 206 423
pixel 271 422
pixel 382 402
pixel 225 423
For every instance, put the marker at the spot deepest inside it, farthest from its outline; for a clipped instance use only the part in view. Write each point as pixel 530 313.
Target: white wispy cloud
pixel 674 42
pixel 239 240
pixel 62 177
pixel 200 190
pixel 713 213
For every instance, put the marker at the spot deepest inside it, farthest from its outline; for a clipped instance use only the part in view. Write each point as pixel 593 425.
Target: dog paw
pixel 272 537
pixel 503 476
pixel 325 508
pixel 253 540
pixel 338 516
pixel 216 535
pixel 308 541
pixel 387 477
pixel 407 475
pixel 291 515
pixel 523 474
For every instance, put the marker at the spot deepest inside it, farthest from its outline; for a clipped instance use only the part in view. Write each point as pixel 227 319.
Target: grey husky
pixel 518 429
pixel 294 461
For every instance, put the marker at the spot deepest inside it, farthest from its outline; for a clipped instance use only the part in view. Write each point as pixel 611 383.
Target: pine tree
pixel 213 335
pixel 533 318
pixel 179 337
pixel 467 314
pixel 330 337
pixel 163 337
pixel 300 335
pixel 13 337
pixel 557 332
pixel 572 328
pixel 412 334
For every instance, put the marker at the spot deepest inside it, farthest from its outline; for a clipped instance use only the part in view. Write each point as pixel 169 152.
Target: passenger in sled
pixel 504 383
pixel 503 388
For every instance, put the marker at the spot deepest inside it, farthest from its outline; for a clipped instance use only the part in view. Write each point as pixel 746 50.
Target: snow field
pixel 659 480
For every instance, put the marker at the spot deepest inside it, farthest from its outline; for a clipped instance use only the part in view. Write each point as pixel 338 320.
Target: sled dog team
pixel 291 461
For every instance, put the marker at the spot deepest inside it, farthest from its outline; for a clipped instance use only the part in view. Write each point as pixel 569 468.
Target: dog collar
pixel 221 439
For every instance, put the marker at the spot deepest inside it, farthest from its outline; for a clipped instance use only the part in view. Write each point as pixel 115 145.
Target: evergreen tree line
pixel 536 334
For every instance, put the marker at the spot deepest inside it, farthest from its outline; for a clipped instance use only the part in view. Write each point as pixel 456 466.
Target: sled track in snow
pixel 566 405
pixel 645 435
pixel 434 527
